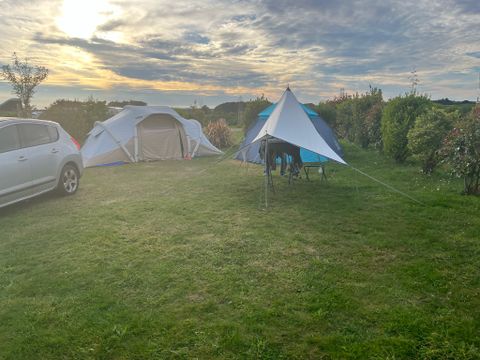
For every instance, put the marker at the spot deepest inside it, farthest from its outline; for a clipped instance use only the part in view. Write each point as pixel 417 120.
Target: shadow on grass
pixel 29 204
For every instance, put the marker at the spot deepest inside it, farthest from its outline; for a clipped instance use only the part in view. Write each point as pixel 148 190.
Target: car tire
pixel 69 180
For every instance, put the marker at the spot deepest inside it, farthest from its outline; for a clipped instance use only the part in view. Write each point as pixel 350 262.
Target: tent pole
pixel 267 173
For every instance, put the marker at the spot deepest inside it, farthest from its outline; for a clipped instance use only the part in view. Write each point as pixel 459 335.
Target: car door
pixel 43 154
pixel 15 173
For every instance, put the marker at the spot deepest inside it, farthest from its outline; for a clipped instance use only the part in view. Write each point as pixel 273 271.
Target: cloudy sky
pixel 175 52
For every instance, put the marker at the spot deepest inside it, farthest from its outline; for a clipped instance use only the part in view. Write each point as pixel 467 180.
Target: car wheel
pixel 69 180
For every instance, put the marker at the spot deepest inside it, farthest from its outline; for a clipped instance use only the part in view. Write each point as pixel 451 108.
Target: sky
pixel 185 51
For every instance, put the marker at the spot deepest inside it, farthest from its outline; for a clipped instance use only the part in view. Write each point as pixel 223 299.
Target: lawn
pixel 179 260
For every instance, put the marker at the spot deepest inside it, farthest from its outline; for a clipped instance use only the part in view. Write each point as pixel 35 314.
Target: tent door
pixel 160 137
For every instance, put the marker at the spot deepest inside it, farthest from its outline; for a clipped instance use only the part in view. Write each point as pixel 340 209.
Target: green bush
pixel 461 150
pixel 327 112
pixel 202 114
pixel 397 119
pixel 252 108
pixel 426 136
pixel 232 113
pixel 77 117
pixel 358 117
pixel 373 122
pixel 345 120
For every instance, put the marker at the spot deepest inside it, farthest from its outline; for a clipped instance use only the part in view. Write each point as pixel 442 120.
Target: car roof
pixel 4 121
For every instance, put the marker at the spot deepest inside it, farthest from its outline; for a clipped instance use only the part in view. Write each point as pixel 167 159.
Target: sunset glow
pixel 219 51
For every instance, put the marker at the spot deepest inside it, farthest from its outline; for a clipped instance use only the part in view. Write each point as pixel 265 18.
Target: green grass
pixel 179 260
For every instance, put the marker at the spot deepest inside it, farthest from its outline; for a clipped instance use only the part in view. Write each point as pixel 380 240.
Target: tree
pixel 253 108
pixel 398 117
pixel 77 117
pixel 461 150
pixel 345 119
pixel 327 112
pixel 373 122
pixel 24 79
pixel 357 117
pixel 122 104
pixel 426 136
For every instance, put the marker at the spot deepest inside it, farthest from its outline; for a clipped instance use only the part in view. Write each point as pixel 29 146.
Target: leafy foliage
pixel 345 115
pixel 461 150
pixel 373 124
pixel 252 108
pixel 232 112
pixel 11 107
pixel 327 112
pixel 203 114
pixel 24 78
pixel 358 117
pixel 426 136
pixel 124 103
pixel 219 133
pixel 77 117
pixel 397 119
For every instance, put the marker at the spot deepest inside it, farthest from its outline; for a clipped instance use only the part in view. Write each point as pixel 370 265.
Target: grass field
pixel 179 260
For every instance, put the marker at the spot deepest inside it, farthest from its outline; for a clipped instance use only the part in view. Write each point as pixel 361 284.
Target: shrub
pixel 77 117
pixel 252 108
pixel 328 113
pixel 232 112
pixel 373 122
pixel 122 104
pixel 461 150
pixel 202 114
pixel 219 133
pixel 345 120
pixel 357 118
pixel 426 136
pixel 398 117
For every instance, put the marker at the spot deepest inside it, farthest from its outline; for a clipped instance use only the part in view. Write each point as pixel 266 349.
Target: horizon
pixel 236 50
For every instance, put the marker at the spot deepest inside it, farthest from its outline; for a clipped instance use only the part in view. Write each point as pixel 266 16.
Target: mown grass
pixel 179 260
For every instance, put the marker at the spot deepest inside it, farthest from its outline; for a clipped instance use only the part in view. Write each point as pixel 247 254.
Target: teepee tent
pixel 250 151
pixel 145 133
pixel 290 122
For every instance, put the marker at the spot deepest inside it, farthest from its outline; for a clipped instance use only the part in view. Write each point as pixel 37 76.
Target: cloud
pixel 196 38
pixel 475 54
pixel 253 47
pixel 158 59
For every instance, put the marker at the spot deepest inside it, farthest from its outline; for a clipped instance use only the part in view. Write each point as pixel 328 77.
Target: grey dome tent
pixel 145 133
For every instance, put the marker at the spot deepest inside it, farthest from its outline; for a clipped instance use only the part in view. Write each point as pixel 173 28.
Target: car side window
pixel 9 139
pixel 53 132
pixel 34 134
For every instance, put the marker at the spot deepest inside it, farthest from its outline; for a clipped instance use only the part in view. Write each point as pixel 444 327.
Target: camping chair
pixel 319 166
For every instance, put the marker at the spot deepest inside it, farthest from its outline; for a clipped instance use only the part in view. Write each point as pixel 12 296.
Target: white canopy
pixel 290 123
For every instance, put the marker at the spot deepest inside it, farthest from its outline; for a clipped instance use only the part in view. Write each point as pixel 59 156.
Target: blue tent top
pixel 268 111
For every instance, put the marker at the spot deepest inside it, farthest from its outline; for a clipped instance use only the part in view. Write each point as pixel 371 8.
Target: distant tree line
pixel 122 104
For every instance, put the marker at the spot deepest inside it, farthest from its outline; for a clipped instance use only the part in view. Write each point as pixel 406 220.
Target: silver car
pixel 36 156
